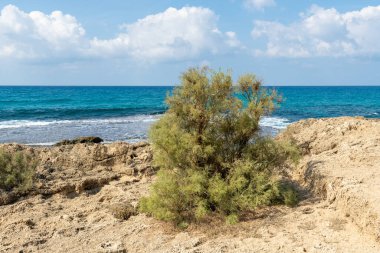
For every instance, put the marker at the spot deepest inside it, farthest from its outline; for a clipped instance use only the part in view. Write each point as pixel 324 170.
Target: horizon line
pixel 135 86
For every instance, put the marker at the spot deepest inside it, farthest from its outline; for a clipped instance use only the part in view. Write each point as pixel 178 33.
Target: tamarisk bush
pixel 211 157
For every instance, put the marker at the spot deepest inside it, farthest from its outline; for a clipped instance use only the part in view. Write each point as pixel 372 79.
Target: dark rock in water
pixel 89 139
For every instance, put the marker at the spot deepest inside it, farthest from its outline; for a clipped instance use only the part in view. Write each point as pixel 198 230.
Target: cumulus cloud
pixel 323 32
pixel 38 35
pixel 259 4
pixel 170 35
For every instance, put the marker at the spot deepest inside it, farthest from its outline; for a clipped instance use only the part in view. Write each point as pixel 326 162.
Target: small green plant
pixel 211 156
pixel 17 171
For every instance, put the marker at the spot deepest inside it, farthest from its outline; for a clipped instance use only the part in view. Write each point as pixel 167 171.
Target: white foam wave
pixel 42 144
pixel 40 123
pixel 274 122
pixel 22 123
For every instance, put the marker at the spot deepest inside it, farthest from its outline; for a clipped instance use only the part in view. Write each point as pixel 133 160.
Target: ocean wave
pixel 82 113
pixel 22 123
pixel 274 122
pixel 42 144
pixel 41 123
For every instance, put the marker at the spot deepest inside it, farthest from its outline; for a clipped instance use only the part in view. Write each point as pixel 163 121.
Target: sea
pixel 40 115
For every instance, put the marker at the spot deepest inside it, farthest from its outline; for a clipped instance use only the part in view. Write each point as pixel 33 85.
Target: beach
pixel 190 126
pixel 81 187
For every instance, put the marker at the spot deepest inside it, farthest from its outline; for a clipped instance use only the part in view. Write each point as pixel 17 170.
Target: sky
pixel 150 42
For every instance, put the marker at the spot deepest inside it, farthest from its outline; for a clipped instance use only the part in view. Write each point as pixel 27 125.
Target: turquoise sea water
pixel 44 115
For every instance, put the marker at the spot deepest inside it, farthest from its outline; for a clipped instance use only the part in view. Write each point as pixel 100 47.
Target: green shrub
pixel 210 154
pixel 17 171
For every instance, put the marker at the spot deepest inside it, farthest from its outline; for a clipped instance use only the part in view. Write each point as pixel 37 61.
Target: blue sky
pixel 118 42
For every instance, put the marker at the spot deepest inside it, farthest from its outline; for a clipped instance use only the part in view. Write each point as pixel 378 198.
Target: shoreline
pixel 267 129
pixel 126 129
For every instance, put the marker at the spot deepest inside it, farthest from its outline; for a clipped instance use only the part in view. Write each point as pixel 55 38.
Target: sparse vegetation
pixel 210 154
pixel 123 211
pixel 17 171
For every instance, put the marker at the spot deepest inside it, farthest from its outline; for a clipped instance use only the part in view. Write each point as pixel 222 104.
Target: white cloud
pixel 323 32
pixel 172 34
pixel 259 4
pixel 38 35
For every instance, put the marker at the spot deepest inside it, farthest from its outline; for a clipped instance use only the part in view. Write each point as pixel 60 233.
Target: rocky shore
pixel 85 194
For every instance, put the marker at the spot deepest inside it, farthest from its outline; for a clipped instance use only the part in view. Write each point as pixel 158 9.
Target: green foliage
pixel 232 219
pixel 210 153
pixel 17 171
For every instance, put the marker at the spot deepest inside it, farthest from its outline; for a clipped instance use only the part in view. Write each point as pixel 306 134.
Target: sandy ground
pixel 340 166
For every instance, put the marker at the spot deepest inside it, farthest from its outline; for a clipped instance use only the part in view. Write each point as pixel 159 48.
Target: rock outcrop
pixel 341 163
pixel 89 139
pixel 73 169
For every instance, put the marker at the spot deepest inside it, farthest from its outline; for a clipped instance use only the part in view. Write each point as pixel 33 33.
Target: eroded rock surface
pixel 73 169
pixel 341 162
